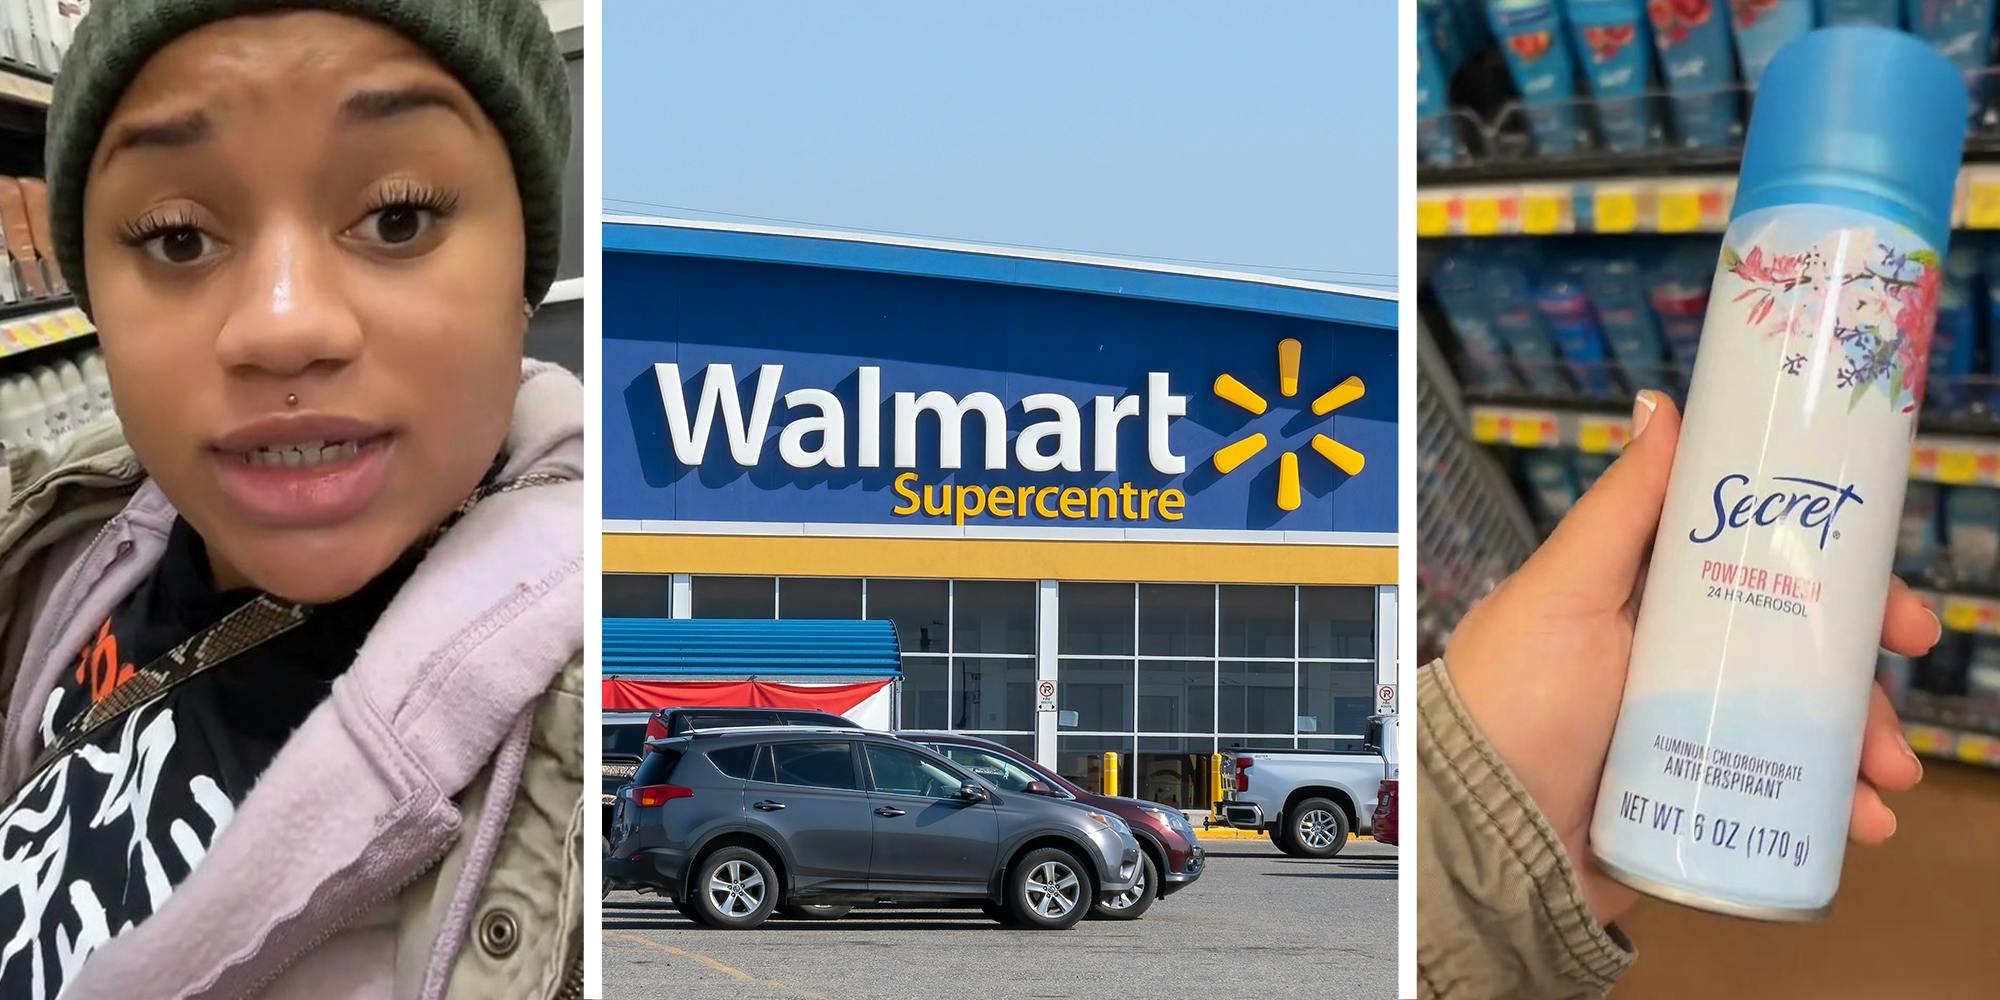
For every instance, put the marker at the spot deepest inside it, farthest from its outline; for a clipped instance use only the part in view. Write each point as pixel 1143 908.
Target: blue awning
pixel 734 647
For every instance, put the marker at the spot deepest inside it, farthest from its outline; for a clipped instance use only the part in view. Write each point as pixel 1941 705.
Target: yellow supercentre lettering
pixel 902 487
pixel 965 501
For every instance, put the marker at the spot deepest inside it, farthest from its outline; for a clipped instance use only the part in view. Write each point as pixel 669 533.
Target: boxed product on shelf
pixel 20 239
pixel 1627 77
pixel 35 192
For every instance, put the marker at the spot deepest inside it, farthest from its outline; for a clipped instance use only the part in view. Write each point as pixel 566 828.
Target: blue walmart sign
pixel 751 388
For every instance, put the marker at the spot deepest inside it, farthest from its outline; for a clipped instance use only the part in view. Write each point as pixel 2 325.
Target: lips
pixel 303 470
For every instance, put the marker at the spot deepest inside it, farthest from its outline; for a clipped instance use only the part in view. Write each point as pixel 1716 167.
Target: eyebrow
pixel 376 105
pixel 179 131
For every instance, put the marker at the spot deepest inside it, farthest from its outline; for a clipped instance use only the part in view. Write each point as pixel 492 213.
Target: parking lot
pixel 1271 926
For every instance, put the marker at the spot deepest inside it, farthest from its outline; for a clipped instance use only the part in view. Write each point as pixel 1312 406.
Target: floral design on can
pixel 1884 301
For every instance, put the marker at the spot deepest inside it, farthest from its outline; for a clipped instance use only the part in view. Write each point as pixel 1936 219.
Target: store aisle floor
pixel 1912 918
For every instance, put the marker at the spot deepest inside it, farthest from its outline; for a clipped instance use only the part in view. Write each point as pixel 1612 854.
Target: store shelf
pixel 1646 204
pixel 24 333
pixel 25 85
pixel 1953 744
pixel 1975 614
pixel 1934 458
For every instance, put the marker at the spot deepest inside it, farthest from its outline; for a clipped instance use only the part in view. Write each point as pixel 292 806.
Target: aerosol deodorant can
pixel 1731 775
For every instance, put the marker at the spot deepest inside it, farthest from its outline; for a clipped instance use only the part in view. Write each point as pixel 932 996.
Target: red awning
pixel 631 695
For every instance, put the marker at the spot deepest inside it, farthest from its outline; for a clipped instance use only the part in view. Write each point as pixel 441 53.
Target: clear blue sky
pixel 1260 136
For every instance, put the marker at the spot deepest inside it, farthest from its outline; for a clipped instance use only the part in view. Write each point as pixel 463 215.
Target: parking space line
pixel 737 974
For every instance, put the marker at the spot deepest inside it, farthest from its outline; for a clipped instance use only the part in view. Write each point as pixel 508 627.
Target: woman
pixel 292 671
pixel 1513 727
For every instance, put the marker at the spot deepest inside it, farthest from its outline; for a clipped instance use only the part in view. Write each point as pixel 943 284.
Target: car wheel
pixel 687 910
pixel 735 889
pixel 1315 828
pixel 1049 889
pixel 1133 902
pixel 814 911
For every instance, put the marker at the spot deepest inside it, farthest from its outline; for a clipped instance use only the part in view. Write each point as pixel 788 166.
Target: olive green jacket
pixel 1500 913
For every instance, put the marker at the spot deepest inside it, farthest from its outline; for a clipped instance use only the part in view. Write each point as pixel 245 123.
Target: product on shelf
pixel 1552 481
pixel 1762 601
pixel 1972 529
pixel 1566 308
pixel 20 239
pixel 1762 28
pixel 1917 536
pixel 1617 292
pixel 1460 290
pixel 1963 31
pixel 1589 466
pixel 1982 668
pixel 42 407
pixel 1435 142
pixel 35 195
pixel 1696 57
pixel 1617 58
pixel 1536 46
pixel 1520 325
pixel 1887 13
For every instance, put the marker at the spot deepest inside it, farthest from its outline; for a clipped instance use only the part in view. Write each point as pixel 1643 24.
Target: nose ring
pixel 292 400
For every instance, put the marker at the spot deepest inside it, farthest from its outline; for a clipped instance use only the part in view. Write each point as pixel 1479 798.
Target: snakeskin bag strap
pixel 259 621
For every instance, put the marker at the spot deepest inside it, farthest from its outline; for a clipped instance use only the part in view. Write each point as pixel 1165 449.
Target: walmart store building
pixel 1171 493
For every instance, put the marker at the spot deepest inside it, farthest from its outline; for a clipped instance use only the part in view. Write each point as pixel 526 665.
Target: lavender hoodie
pixel 359 804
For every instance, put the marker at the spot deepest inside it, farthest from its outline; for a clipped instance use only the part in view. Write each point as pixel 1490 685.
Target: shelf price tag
pixel 1433 217
pixel 1977 749
pixel 1679 211
pixel 1982 200
pixel 1614 210
pixel 1960 615
pixel 1485 428
pixel 1482 216
pixel 1530 432
pixel 1927 739
pixel 1600 437
pixel 1542 211
pixel 1955 467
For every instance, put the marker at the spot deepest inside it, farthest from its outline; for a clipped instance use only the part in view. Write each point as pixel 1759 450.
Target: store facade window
pixel 1166 674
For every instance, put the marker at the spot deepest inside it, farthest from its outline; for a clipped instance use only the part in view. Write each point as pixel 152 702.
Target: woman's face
pixel 305 205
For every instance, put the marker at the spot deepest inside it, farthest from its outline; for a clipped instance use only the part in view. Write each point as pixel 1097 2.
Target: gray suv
pixel 736 824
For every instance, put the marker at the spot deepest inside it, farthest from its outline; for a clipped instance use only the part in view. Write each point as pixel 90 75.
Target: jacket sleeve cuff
pixel 1494 859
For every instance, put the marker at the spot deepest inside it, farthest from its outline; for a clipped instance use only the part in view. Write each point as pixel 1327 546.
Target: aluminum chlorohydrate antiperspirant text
pixel 1731 775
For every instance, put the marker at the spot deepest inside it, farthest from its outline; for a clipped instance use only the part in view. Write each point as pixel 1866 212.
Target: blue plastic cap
pixel 1863 117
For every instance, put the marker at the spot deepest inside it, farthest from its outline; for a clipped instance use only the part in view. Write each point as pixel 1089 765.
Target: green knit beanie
pixel 501 50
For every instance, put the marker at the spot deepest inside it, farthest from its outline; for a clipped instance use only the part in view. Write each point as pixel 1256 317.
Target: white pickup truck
pixel 1308 800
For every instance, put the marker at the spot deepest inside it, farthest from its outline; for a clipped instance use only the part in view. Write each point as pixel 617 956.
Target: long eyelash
pixel 411 194
pixel 153 224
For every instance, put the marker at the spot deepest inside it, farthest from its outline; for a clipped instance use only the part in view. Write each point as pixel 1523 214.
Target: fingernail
pixel 1937 633
pixel 1904 741
pixel 1642 412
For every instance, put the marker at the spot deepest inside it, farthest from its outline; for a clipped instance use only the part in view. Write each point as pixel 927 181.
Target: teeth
pixel 301 455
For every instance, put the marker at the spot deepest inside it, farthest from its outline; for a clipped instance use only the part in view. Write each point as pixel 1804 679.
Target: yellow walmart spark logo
pixel 1233 455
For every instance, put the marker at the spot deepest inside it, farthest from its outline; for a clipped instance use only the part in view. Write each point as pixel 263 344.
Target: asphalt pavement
pixel 1257 924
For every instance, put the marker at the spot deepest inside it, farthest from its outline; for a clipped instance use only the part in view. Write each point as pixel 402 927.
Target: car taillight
pixel 649 796
pixel 1243 773
pixel 656 729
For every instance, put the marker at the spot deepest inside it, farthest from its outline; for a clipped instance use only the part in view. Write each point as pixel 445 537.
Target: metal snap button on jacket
pixel 499 934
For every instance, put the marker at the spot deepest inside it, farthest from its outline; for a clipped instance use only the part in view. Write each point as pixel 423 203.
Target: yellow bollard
pixel 1110 772
pixel 1215 785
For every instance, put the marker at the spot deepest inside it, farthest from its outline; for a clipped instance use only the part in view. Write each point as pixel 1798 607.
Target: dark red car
pixel 1385 813
pixel 1173 858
